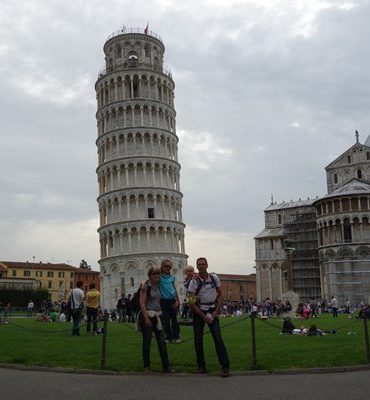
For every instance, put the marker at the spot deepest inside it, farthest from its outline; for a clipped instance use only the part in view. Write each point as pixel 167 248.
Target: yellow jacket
pixel 92 298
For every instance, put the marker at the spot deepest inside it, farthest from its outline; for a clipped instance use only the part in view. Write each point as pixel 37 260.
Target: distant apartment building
pixel 238 287
pixel 58 279
pixel 87 276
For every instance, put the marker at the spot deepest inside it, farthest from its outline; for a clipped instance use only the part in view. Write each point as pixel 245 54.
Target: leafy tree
pixel 84 264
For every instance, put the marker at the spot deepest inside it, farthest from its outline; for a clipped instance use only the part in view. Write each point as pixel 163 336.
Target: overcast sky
pixel 267 94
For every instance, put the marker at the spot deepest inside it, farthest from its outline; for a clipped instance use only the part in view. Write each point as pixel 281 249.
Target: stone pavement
pixel 16 384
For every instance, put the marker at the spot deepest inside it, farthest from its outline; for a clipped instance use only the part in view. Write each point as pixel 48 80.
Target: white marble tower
pixel 138 172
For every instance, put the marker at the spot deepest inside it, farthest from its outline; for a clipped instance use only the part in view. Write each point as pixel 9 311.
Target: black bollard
pixel 104 342
pixel 254 348
pixel 366 339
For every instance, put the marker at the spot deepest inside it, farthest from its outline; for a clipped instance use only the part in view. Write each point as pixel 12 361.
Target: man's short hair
pixel 92 285
pixel 79 284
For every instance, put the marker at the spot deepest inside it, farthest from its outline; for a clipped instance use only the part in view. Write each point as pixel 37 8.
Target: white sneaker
pixel 178 340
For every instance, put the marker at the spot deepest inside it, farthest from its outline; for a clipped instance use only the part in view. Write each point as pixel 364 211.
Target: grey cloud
pixel 283 103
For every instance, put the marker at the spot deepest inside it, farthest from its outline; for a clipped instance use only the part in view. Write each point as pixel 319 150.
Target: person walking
pixel 334 306
pixel 121 308
pixel 347 307
pixel 169 302
pixel 30 307
pixel 150 319
pixel 92 308
pixel 76 297
pixel 206 299
pixel 130 312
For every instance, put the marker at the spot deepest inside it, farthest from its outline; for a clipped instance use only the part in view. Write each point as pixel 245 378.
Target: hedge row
pixel 21 297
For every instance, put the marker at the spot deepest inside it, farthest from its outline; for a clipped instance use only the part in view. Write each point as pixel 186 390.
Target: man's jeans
pixel 76 316
pixel 214 327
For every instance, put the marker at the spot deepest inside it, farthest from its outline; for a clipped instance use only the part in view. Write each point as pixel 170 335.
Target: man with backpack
pixel 205 298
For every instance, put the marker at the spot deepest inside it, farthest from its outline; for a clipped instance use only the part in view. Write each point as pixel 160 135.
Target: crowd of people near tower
pixel 311 309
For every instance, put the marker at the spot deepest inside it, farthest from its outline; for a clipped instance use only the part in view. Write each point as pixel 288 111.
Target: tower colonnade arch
pixel 139 204
pixel 135 84
pixel 138 114
pixel 138 237
pixel 138 173
pixel 127 142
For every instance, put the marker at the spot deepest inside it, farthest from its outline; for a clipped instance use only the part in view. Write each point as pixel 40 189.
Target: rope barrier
pixel 45 331
pixel 205 333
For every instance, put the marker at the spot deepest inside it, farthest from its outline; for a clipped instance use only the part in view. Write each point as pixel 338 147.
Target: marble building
pixel 343 225
pixel 327 240
pixel 140 202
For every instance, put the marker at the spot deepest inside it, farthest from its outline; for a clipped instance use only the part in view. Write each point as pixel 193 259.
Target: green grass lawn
pixel 25 341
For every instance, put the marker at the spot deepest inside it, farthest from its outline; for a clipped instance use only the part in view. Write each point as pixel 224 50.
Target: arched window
pixel 279 219
pixel 359 174
pixel 147 50
pixel 133 58
pixel 347 231
pixel 335 178
pixel 349 159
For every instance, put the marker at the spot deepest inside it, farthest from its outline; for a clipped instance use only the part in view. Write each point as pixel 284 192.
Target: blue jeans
pixel 76 317
pixel 170 323
pixel 214 327
pixel 147 340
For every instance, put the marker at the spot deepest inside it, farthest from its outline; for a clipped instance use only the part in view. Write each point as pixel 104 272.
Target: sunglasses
pixel 155 273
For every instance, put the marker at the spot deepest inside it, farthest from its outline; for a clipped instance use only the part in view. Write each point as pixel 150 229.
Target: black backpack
pixel 135 301
pixel 201 282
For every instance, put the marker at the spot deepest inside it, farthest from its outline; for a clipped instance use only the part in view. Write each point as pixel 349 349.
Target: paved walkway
pixel 35 385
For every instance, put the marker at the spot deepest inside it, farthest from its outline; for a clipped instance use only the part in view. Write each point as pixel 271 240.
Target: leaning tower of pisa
pixel 138 171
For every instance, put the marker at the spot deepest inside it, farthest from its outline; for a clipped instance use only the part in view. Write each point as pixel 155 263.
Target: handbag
pixel 73 309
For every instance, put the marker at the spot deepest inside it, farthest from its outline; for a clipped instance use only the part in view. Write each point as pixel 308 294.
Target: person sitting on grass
pixel 288 326
pixel 313 331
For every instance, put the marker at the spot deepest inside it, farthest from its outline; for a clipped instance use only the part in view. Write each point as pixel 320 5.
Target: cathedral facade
pixel 325 242
pixel 140 202
pixel 343 225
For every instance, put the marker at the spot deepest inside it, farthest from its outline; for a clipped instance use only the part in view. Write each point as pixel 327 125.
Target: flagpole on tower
pixel 146 29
